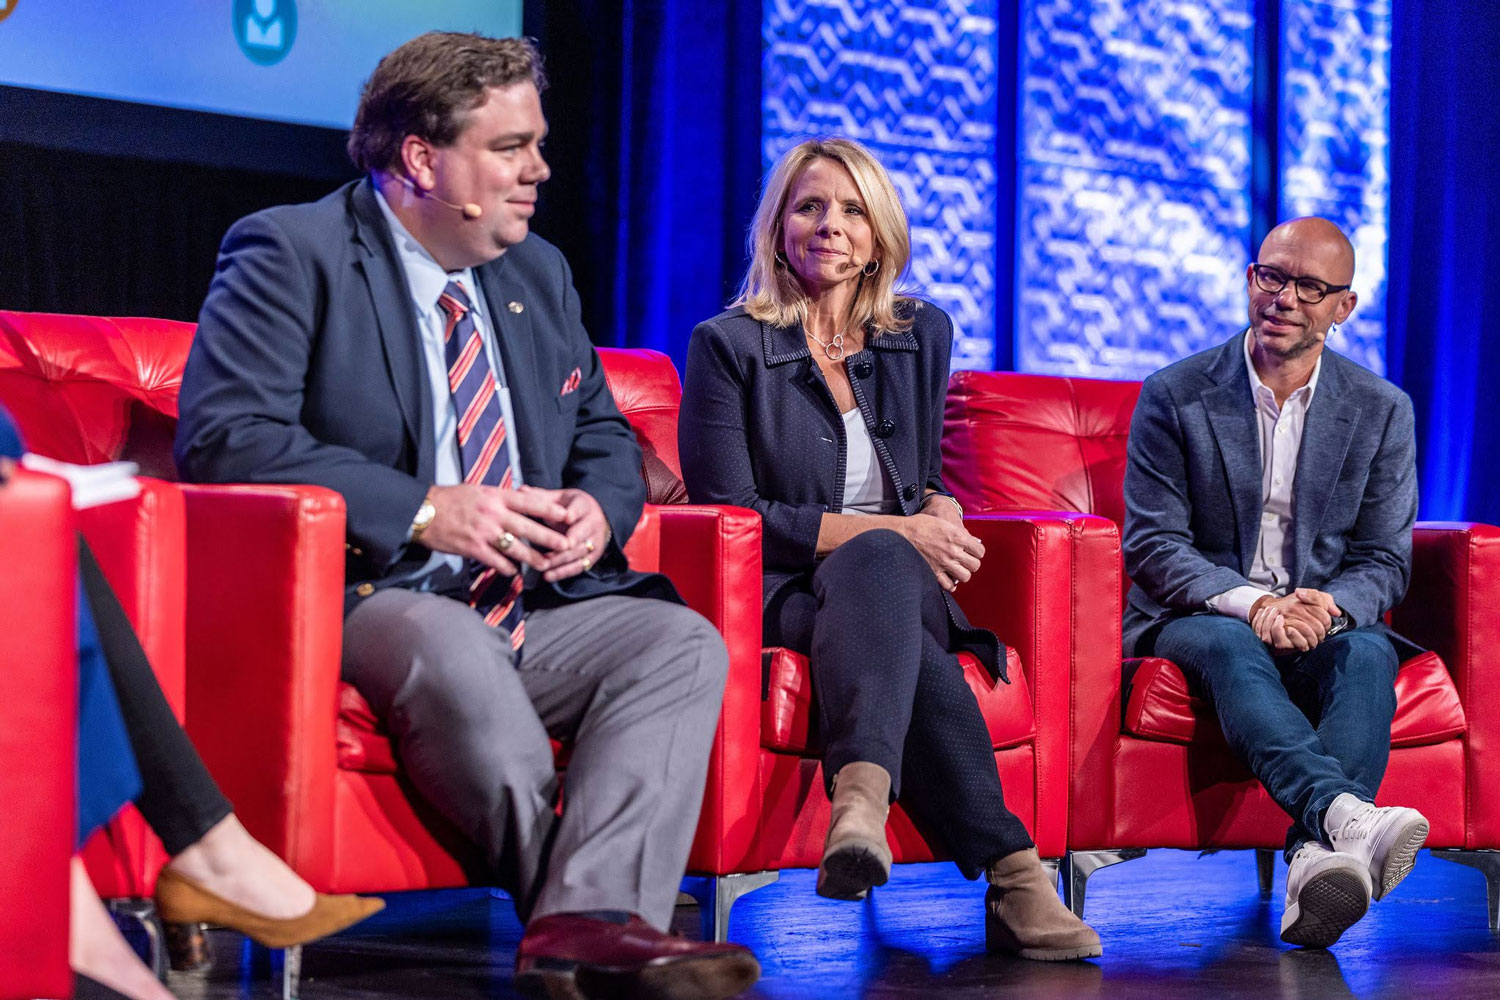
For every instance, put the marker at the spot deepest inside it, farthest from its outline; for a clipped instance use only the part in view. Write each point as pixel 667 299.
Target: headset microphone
pixel 468 209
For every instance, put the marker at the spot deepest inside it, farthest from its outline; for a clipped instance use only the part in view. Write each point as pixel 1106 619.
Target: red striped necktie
pixel 481 448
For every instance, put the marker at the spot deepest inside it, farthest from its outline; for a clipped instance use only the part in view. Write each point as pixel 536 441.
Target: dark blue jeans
pixel 1310 726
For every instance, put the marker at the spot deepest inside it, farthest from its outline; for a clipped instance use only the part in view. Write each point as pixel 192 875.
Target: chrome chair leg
pixel 290 960
pixel 1079 865
pixel 1265 870
pixel 1053 868
pixel 1488 864
pixel 142 912
pixel 716 895
pixel 284 965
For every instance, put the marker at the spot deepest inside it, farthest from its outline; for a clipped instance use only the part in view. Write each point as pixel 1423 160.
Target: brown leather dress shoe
pixel 567 956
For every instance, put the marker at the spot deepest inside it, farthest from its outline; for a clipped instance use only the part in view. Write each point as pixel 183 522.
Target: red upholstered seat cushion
pixel 1163 707
pixel 363 743
pixel 787 714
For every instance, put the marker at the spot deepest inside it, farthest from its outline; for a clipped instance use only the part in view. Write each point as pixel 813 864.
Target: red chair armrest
pixel 1455 590
pixel 265 572
pixel 643 548
pixel 1453 608
pixel 141 545
pixel 1049 587
pixel 38 733
pixel 713 556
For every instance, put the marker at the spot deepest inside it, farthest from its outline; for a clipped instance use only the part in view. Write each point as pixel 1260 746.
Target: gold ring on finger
pixel 587 562
pixel 505 541
pixel 588 545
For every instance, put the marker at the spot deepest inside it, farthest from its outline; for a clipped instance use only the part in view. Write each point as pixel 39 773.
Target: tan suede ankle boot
pixel 856 855
pixel 1023 915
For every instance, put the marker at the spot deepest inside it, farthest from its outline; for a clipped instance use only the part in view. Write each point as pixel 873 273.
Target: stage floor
pixel 1174 926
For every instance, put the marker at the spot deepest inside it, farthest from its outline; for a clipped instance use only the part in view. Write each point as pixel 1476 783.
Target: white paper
pixel 92 485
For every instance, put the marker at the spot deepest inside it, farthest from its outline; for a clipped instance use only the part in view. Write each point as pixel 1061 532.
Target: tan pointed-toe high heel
pixel 180 900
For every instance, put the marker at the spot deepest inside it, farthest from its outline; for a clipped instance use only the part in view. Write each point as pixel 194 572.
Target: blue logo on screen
pixel 265 29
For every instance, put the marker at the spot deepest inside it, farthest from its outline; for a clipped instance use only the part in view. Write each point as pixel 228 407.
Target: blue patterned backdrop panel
pixel 915 81
pixel 1335 143
pixel 1122 274
pixel 1134 182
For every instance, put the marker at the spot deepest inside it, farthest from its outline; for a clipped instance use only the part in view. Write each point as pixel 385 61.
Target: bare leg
pixel 96 949
pixel 233 865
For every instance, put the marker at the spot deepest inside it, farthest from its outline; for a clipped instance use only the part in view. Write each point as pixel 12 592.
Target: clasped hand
pixel 1295 623
pixel 558 533
pixel 938 533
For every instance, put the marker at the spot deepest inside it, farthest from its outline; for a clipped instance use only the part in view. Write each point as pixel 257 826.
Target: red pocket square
pixel 570 384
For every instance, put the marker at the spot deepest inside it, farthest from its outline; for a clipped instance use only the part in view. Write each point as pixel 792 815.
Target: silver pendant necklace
pixel 833 349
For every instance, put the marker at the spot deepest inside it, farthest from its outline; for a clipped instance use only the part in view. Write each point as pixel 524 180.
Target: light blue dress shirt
pixel 426 279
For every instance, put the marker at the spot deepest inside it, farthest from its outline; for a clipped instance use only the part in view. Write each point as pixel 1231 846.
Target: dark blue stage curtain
pixel 655 144
pixel 690 172
pixel 1443 342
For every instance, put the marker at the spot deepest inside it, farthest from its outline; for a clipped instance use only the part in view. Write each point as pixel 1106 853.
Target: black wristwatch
pixel 1340 623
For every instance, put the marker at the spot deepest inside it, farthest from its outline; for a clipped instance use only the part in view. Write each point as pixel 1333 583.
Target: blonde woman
pixel 817 400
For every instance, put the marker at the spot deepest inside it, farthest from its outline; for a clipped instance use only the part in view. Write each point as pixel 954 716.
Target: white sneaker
pixel 1326 893
pixel 1385 838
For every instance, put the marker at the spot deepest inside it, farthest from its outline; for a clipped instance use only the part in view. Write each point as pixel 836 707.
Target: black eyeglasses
pixel 1309 290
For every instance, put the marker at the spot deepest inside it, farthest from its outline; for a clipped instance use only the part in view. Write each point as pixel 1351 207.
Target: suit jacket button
pixel 910 493
pixel 885 428
pixel 365 589
pixel 863 369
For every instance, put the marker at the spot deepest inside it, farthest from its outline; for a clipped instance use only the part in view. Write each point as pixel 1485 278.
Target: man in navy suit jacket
pixel 408 343
pixel 1270 493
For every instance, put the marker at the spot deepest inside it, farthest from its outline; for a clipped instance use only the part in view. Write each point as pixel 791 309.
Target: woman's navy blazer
pixel 760 429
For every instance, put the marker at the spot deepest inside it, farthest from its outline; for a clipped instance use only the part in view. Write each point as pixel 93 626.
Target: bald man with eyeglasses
pixel 1270 493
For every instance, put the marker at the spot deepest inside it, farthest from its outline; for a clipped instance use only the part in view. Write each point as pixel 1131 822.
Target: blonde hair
pixel 771 292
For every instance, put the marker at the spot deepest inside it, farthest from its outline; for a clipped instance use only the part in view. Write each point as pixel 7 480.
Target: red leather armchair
pixel 87 390
pixel 38 739
pixel 314 776
pixel 766 809
pixel 1149 764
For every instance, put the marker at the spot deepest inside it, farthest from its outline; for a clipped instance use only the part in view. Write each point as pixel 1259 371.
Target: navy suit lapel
pixel 1231 417
pixel 515 337
pixel 400 340
pixel 1326 434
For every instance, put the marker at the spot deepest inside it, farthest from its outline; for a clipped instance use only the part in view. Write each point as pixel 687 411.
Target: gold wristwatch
pixel 425 514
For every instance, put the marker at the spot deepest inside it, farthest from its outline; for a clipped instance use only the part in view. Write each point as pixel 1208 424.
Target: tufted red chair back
pixel 1037 442
pixel 647 390
pixel 91 389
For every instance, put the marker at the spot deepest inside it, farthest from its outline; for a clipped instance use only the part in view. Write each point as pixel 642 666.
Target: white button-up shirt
pixel 1280 441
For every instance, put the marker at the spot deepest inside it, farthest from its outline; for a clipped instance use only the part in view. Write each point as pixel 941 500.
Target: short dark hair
pixel 427 86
